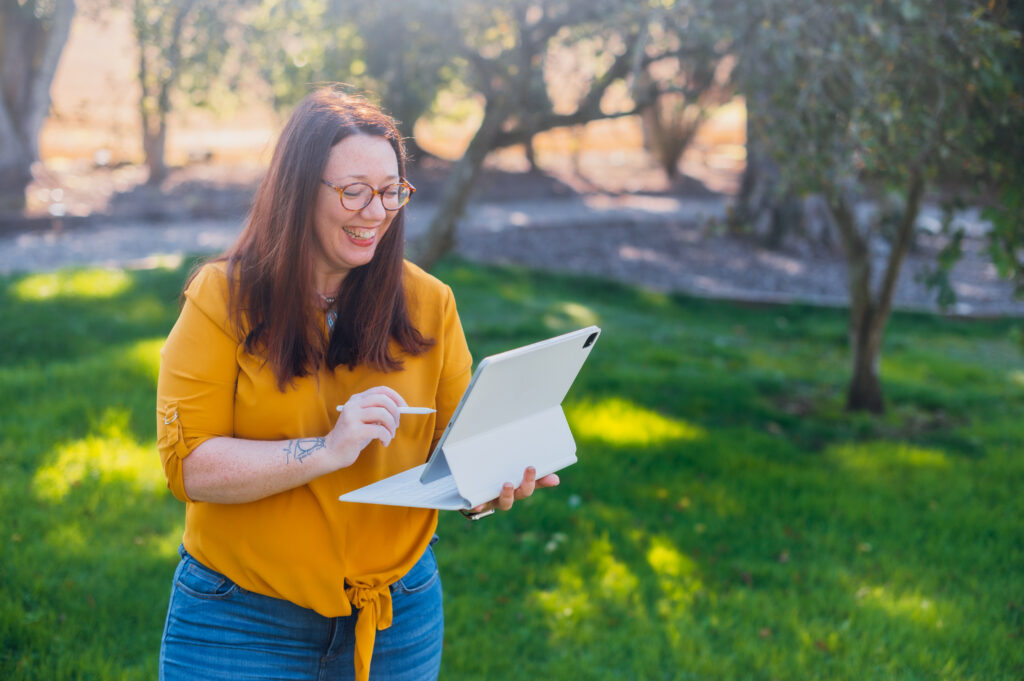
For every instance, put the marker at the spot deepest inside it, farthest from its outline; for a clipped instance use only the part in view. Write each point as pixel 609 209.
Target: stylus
pixel 405 410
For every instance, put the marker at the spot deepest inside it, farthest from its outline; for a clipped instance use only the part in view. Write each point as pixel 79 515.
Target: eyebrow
pixel 364 178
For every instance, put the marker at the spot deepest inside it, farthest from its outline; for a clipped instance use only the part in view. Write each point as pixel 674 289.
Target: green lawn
pixel 726 520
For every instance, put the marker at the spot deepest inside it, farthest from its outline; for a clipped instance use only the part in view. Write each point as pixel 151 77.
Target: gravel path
pixel 663 243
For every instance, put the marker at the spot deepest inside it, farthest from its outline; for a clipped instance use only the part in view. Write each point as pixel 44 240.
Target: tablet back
pixel 510 416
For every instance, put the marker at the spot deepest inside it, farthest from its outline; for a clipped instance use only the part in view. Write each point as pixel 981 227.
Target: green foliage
pixel 1005 108
pixel 726 519
pixel 183 48
pixel 874 90
pixel 402 54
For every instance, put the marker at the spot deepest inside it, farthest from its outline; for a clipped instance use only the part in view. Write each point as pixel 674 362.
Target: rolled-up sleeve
pixel 198 374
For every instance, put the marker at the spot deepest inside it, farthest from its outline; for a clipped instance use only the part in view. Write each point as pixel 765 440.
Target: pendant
pixel 332 317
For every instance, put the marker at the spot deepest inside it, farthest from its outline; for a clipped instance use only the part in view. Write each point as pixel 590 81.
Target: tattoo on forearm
pixel 298 450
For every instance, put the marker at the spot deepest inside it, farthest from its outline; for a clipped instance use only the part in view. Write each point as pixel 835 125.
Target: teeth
pixel 359 233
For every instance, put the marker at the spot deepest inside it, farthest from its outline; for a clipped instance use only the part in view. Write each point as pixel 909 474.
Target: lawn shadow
pixel 89 545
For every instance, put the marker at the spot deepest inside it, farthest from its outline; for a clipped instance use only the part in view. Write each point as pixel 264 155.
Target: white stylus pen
pixel 405 410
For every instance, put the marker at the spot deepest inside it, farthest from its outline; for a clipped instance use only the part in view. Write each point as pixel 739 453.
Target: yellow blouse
pixel 303 545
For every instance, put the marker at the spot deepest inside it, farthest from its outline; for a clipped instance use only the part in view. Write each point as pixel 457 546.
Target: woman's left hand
pixel 510 494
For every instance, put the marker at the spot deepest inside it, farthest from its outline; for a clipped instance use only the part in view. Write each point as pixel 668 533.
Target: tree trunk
pixel 15 162
pixel 761 210
pixel 865 391
pixel 531 155
pixel 440 236
pixel 153 145
pixel 669 126
pixel 31 49
pixel 869 313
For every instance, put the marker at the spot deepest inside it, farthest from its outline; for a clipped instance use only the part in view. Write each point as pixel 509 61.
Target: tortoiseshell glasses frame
pixel 358 195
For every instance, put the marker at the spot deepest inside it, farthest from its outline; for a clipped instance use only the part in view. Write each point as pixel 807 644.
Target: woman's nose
pixel 374 210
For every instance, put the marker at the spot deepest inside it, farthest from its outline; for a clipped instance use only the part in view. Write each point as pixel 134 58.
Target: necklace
pixel 332 314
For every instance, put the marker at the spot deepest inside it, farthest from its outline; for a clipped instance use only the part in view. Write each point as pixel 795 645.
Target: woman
pixel 312 308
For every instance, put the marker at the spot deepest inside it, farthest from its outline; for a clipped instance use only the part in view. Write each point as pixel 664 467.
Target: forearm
pixel 228 470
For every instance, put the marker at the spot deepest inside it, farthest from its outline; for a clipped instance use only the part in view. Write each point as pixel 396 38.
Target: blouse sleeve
pixel 198 372
pixel 455 371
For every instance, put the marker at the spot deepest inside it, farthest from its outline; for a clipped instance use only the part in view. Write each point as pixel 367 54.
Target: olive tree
pixel 401 53
pixel 182 45
pixel 871 94
pixel 32 37
pixel 508 48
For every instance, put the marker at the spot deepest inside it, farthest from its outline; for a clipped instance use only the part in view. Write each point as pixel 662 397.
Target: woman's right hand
pixel 367 416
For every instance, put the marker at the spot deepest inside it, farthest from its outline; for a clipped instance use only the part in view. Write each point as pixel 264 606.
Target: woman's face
pixel 345 238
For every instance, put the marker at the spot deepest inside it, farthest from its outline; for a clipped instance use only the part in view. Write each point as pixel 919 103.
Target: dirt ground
pixel 612 215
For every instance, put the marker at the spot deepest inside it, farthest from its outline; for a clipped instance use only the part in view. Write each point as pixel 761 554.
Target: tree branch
pixel 902 242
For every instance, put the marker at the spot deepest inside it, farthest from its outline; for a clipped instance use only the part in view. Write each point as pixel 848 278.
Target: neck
pixel 328 285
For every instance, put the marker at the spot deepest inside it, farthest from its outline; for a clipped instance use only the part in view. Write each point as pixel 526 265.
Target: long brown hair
pixel 270 267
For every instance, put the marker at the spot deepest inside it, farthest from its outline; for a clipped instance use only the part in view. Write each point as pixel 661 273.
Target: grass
pixel 726 520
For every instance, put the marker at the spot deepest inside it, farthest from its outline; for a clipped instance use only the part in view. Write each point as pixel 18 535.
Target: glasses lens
pixel 395 196
pixel 356 196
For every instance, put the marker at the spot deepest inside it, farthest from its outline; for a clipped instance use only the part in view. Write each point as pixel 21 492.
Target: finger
pixel 370 406
pixel 526 486
pixel 507 496
pixel 384 435
pixel 551 480
pixel 390 392
pixel 380 398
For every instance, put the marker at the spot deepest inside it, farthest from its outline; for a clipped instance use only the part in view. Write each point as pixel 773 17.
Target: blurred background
pixel 800 223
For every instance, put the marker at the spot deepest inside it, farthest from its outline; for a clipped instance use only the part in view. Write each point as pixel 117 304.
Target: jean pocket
pixel 422 575
pixel 199 581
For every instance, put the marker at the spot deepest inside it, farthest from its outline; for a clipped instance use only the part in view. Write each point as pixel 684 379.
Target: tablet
pixel 509 418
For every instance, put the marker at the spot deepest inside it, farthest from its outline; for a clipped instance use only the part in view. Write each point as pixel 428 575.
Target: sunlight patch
pixel 73 284
pixel 583 589
pixel 146 356
pixel 615 580
pixel 570 316
pixel 884 456
pixel 913 606
pixel 111 455
pixel 568 600
pixel 620 422
pixel 1017 377
pixel 676 573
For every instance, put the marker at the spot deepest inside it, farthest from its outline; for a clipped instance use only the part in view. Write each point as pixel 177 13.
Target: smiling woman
pixel 313 307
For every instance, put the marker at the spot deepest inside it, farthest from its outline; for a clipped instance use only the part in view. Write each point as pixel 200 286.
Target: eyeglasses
pixel 357 196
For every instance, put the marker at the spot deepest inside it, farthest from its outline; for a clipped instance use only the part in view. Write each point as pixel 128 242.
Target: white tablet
pixel 509 418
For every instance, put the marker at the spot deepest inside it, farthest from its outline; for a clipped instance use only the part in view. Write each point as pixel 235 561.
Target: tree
pixel 182 45
pixel 878 94
pixel 32 37
pixel 1003 105
pixel 402 54
pixel 510 48
pixel 687 86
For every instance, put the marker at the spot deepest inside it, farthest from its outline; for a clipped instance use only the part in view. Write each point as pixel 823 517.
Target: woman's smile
pixel 362 236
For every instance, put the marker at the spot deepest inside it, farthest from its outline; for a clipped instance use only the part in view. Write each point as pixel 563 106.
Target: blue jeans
pixel 217 630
